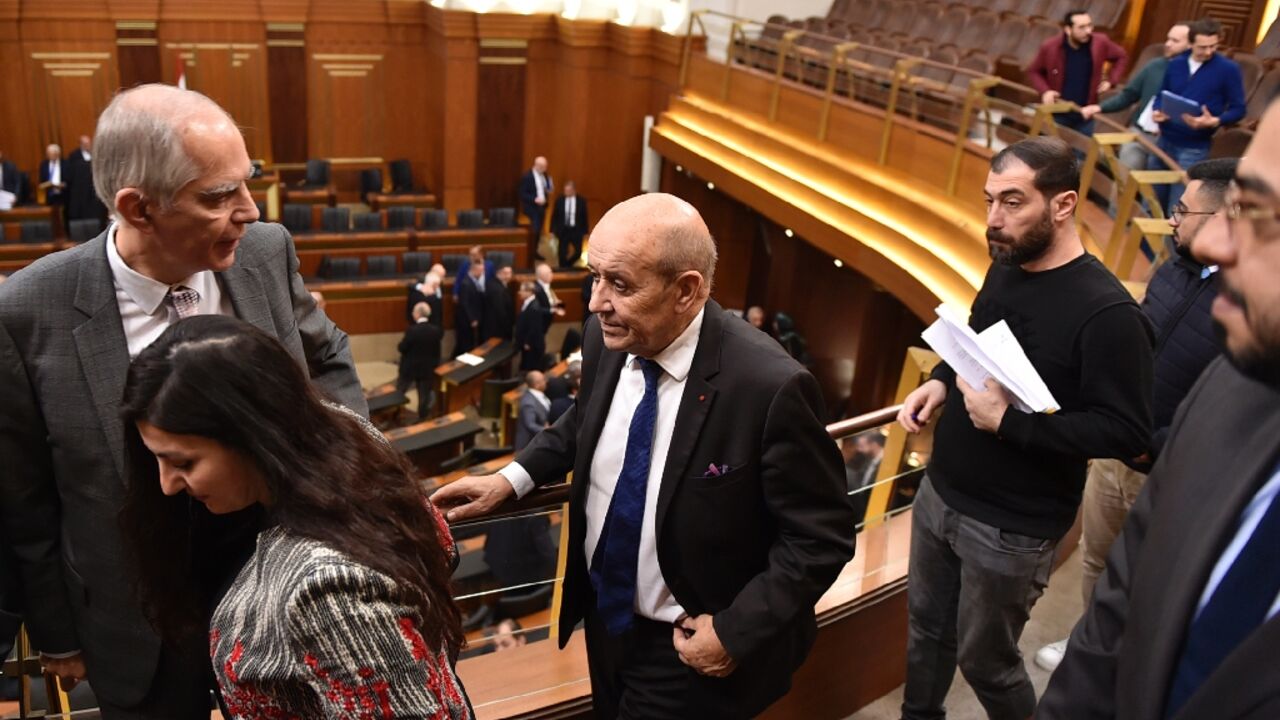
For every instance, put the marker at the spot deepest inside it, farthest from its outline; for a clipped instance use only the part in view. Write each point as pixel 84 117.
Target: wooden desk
pixel 311 247
pixel 385 402
pixel 13 219
pixel 380 200
pixel 462 384
pixel 511 404
pixel 431 442
pixel 15 255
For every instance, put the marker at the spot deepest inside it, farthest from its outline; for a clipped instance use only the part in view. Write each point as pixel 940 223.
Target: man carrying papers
pixel 1004 483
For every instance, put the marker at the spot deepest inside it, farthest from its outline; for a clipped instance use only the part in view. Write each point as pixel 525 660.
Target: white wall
pixel 759 10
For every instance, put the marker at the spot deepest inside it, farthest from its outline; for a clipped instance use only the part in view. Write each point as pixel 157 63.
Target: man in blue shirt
pixel 1208 79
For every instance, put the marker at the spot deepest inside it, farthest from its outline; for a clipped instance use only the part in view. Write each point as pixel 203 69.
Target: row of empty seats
pixel 40 231
pixel 298 219
pixel 415 263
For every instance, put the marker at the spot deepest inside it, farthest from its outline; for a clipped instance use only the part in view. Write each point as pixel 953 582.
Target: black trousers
pixel 637 674
pixel 180 691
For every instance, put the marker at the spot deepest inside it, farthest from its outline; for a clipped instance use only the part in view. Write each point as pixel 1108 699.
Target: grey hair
pixel 687 247
pixel 139 144
pixel 54 146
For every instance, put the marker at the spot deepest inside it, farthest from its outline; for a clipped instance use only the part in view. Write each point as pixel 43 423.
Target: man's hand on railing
pixel 920 404
pixel 70 670
pixel 1049 97
pixel 1088 111
pixel 472 496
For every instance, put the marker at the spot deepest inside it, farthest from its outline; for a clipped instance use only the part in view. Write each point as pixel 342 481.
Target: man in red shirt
pixel 1070 67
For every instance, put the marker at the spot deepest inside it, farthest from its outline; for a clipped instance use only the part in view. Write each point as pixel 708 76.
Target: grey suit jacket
pixel 63 365
pixel 531 420
pixel 1122 655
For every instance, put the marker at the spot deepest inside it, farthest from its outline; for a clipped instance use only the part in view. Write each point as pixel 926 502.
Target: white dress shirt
pixel 541 397
pixel 55 172
pixel 551 294
pixel 540 184
pixel 653 597
pixel 1249 521
pixel 570 210
pixel 143 310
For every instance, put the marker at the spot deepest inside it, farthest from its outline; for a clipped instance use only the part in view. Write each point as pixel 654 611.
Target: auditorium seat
pixel 1148 52
pixel 1106 13
pixel 1037 33
pixel 763 50
pixel 501 258
pixel 1250 70
pixel 926 20
pixel 296 218
pixel 380 266
pixel 900 19
pixel 2 238
pixel 878 14
pixel 435 219
pixel 84 229
pixel 453 261
pixel 1040 9
pixel 1268 85
pixel 1231 142
pixel 1005 7
pixel 1007 37
pixel 339 268
pixel 368 221
pixel 37 231
pixel 978 32
pixel 416 262
pixel 400 217
pixel 502 217
pixel 951 26
pixel 470 219
pixel 1057 10
pixel 335 219
pixel 315 187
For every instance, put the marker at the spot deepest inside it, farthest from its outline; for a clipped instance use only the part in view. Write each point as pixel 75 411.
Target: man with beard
pixel 1177 302
pixel 1183 622
pixel 1003 485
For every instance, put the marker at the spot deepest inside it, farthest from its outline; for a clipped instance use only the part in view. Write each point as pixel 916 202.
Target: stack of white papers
pixel 469 359
pixel 993 353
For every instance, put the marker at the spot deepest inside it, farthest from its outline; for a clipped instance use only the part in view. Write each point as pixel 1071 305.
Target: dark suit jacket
pixel 499 311
pixel 53 195
pixel 63 364
pixel 415 296
pixel 14 181
pixel 1122 655
pixel 420 351
pixel 470 307
pixel 529 193
pixel 756 546
pixel 532 418
pixel 559 226
pixel 82 201
pixel 531 338
pixel 10 598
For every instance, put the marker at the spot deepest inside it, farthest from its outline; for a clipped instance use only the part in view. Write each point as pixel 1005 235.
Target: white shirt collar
pixel 541 397
pixel 148 293
pixel 527 302
pixel 676 358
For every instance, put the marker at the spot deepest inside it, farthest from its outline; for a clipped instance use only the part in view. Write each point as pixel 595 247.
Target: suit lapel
pixel 247 297
pixel 101 345
pixel 695 404
pixel 1245 679
pixel 1217 506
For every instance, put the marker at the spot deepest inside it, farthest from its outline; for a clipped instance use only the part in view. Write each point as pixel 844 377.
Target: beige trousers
pixel 1109 492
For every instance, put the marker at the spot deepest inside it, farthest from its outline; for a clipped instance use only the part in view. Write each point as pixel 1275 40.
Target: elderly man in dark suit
pixel 708 511
pixel 569 224
pixel 172 166
pixel 499 306
pixel 535 192
pixel 531 331
pixel 419 357
pixel 53 176
pixel 1183 622
pixel 468 313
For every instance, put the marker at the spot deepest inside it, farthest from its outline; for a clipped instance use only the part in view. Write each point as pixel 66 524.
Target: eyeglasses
pixel 1180 212
pixel 1264 222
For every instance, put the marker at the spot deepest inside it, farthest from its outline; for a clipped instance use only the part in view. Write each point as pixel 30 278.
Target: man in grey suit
pixel 172 166
pixel 534 409
pixel 1183 621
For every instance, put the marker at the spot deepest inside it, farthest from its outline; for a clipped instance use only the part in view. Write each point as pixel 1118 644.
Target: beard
pixel 1260 359
pixel 1008 250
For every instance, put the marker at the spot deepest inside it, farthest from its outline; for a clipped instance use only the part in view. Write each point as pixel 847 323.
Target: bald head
pixel 540 164
pixel 673 233
pixel 144 141
pixel 536 380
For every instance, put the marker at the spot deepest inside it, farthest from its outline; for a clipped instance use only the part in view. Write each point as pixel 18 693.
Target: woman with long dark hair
pixel 340 600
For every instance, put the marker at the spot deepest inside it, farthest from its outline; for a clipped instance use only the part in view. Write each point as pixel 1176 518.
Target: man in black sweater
pixel 1003 485
pixel 1178 302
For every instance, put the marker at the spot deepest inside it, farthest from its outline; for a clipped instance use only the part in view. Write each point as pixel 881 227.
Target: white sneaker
pixel 1048 657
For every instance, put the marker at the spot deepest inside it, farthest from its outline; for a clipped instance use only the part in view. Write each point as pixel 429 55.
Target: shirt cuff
pixel 60 655
pixel 519 478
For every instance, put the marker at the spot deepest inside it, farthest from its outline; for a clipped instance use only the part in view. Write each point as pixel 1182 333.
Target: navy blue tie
pixel 1237 607
pixel 617 555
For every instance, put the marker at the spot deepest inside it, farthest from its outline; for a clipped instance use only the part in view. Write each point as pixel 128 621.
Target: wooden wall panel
pixel 346 78
pixel 410 93
pixel 287 93
pixel 137 53
pixel 70 75
pixel 499 130
pixel 1240 19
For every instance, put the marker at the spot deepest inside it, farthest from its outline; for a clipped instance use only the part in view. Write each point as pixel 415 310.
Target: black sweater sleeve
pixel 1114 420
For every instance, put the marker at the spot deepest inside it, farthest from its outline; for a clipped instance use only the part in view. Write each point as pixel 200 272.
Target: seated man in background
pixel 419 357
pixel 534 409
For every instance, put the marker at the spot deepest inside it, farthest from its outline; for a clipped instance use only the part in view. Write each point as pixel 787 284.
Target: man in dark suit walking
pixel 705 435
pixel 69 325
pixel 531 331
pixel 468 313
pixel 419 358
pixel 82 201
pixel 569 224
pixel 53 176
pixel 1183 621
pixel 499 307
pixel 535 192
